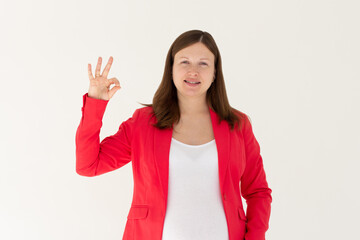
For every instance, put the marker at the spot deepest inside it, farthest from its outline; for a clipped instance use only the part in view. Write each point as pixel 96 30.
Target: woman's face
pixel 194 63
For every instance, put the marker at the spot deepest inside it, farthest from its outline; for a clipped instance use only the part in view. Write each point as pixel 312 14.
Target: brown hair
pixel 165 103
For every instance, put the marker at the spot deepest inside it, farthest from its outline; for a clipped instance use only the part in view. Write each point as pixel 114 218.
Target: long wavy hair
pixel 165 102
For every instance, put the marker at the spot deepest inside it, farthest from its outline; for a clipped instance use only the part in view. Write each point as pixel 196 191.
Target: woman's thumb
pixel 113 91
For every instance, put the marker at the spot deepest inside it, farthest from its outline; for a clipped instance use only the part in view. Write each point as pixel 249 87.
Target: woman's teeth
pixel 191 82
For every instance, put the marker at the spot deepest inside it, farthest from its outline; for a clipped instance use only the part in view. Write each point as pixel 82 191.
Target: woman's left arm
pixel 254 188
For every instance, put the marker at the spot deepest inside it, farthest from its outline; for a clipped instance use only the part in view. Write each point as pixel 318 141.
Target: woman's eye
pixel 204 63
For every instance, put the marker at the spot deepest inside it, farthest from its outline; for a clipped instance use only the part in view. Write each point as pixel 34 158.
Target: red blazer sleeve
pixel 92 157
pixel 254 187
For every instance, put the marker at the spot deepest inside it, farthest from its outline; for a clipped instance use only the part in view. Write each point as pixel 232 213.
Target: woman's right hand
pixel 100 86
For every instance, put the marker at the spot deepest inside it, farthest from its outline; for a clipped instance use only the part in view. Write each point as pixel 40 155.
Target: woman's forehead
pixel 189 54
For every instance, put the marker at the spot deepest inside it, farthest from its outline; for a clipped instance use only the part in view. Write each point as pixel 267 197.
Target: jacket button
pixel 224 197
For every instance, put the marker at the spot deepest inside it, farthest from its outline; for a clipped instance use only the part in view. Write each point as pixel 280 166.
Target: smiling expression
pixel 194 63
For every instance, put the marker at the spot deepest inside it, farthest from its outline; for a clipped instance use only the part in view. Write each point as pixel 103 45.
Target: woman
pixel 193 155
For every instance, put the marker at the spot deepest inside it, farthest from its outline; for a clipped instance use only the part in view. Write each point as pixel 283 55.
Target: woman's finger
pixel 107 67
pixel 115 81
pixel 91 77
pixel 98 67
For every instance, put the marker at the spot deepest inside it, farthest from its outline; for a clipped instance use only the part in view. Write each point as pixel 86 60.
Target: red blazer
pixel 240 170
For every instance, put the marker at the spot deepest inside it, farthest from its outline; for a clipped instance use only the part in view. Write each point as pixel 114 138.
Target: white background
pixel 292 66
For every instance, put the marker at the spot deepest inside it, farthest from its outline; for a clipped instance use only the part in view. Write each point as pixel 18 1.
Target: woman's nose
pixel 193 69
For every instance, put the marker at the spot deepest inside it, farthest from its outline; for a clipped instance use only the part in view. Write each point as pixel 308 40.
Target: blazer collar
pixel 162 141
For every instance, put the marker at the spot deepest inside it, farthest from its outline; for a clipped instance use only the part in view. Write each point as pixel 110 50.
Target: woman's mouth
pixel 191 82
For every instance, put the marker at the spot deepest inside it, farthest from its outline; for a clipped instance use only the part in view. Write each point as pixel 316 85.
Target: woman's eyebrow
pixel 200 58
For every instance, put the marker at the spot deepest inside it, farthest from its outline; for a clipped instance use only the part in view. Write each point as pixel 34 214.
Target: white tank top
pixel 194 207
